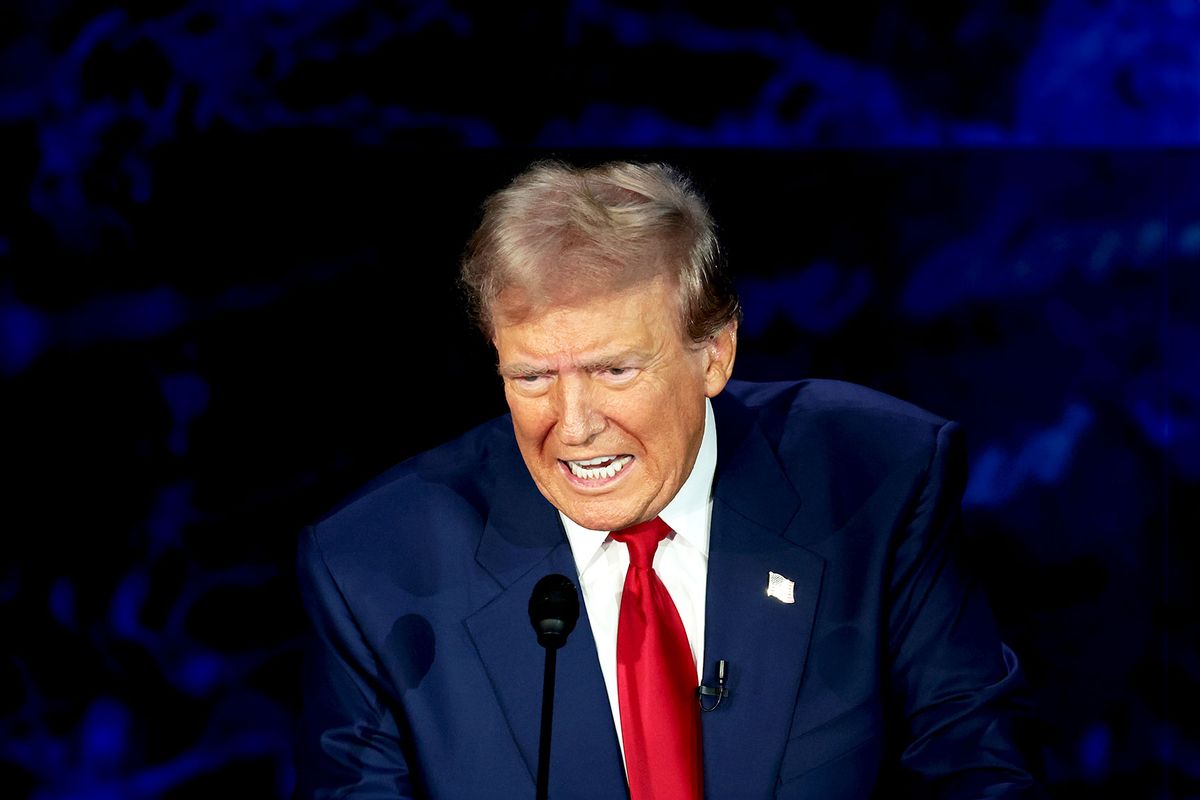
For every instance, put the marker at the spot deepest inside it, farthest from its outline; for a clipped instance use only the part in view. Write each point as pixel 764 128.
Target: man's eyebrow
pixel 624 358
pixel 520 369
pixel 605 362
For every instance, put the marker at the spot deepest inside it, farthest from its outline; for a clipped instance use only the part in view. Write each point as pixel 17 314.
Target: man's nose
pixel 579 418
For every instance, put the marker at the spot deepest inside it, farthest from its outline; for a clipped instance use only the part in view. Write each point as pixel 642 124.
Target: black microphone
pixel 553 612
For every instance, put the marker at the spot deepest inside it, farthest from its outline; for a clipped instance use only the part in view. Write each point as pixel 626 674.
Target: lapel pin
pixel 781 588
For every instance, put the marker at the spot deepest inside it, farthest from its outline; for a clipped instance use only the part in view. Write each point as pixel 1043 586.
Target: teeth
pixel 580 468
pixel 591 462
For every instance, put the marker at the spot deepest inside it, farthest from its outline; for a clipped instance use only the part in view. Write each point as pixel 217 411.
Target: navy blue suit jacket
pixel 884 678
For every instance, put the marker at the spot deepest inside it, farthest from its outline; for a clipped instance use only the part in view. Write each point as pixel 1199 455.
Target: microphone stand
pixel 553 611
pixel 543 773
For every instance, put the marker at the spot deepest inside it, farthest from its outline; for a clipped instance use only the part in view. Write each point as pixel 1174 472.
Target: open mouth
pixel 600 468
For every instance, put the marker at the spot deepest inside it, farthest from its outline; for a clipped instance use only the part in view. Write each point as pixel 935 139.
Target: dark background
pixel 228 242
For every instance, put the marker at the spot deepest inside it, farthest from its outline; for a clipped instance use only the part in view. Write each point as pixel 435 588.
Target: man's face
pixel 607 400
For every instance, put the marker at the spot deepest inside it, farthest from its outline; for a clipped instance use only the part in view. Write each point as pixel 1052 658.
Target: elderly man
pixel 804 536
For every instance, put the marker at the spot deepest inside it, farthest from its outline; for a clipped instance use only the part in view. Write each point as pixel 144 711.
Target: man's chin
pixel 609 510
pixel 601 519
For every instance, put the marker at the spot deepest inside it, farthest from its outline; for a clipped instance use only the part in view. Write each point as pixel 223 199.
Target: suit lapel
pixel 522 542
pixel 766 641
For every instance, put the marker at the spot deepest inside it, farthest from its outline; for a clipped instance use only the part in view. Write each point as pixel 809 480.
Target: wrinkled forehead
pixel 574 279
pixel 633 326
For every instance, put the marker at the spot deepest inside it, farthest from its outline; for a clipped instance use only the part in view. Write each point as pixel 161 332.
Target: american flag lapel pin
pixel 781 588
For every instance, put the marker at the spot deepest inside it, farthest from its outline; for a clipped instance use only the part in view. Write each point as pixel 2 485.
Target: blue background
pixel 228 241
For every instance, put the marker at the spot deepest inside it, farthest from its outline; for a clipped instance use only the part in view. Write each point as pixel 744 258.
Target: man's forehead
pixel 571 290
pixel 622 326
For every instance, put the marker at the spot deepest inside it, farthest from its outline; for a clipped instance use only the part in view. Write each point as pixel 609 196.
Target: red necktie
pixel 656 679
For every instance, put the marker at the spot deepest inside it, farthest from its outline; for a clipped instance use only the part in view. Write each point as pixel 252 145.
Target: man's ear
pixel 719 354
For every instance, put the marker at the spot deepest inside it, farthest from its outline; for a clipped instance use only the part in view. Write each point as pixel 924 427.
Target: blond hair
pixel 560 233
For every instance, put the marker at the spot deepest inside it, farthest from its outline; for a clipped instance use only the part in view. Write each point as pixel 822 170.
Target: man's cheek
pixel 657 415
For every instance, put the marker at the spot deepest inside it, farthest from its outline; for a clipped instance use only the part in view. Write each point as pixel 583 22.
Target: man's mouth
pixel 598 468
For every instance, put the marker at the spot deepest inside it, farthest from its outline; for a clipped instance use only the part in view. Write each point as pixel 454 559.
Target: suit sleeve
pixel 957 683
pixel 350 743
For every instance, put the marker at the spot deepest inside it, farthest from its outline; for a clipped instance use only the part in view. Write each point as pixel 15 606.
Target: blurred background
pixel 228 243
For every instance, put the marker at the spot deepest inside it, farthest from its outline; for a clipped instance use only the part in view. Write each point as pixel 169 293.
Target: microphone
pixel 553 612
pixel 719 691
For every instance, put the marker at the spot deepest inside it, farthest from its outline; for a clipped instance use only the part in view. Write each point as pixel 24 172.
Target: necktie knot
pixel 642 540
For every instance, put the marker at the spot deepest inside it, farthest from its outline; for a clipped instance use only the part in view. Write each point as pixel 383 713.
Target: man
pixel 804 534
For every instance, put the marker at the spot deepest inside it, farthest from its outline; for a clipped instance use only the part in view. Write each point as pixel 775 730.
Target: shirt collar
pixel 688 513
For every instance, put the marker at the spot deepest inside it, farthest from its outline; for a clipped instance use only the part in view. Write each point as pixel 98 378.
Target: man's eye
pixel 619 374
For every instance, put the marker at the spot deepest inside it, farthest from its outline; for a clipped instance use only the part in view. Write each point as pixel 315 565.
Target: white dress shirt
pixel 681 562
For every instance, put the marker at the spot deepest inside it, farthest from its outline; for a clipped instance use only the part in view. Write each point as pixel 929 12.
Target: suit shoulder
pixel 840 444
pixel 839 415
pixel 432 490
pixel 827 396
